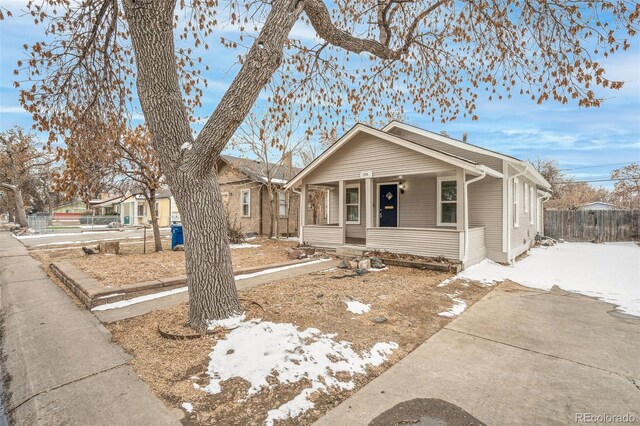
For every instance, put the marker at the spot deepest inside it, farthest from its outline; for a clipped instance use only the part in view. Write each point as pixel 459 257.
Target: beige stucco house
pixel 407 190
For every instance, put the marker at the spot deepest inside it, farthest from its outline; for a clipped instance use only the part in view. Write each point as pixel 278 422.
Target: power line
pixel 599 165
pixel 599 180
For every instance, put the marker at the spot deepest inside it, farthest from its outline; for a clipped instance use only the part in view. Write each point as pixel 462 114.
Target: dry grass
pixel 409 298
pixel 132 266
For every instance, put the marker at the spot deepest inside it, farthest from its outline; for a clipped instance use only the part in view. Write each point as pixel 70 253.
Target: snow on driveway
pixel 610 272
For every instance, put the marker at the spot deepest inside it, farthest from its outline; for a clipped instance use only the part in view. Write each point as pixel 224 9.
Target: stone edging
pixel 92 293
pixel 442 267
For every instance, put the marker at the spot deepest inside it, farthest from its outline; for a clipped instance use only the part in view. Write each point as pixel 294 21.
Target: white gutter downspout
pixel 546 197
pixel 466 214
pixel 511 260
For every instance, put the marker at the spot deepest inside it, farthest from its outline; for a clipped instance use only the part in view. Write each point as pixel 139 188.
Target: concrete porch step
pixel 350 251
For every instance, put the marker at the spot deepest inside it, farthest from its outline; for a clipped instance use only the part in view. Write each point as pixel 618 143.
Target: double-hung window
pixel 282 204
pixel 245 199
pixel 516 201
pixel 353 204
pixel 447 201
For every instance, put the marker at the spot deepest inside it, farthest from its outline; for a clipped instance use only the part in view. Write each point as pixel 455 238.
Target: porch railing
pixel 429 242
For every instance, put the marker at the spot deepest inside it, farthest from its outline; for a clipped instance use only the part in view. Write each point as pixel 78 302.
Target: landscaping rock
pixel 376 263
pixel 344 264
pixel 296 254
pixel 178 247
pixel 378 319
pixel 364 264
pixel 360 271
pixel 353 264
pixel 109 247
pixel 319 295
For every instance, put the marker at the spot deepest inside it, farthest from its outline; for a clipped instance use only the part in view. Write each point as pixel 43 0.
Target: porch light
pixel 402 186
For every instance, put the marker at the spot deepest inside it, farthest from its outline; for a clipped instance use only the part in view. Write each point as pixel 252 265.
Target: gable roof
pixel 359 128
pixel 254 169
pixel 534 174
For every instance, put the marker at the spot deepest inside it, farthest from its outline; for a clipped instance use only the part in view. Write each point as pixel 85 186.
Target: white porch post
pixel 134 215
pixel 303 211
pixel 341 221
pixel 368 187
pixel 460 177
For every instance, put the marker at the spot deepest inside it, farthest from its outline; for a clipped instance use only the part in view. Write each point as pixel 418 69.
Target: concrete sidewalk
pixel 517 356
pixel 113 315
pixel 62 365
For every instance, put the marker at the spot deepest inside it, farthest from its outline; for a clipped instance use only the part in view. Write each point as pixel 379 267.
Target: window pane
pixel 352 195
pixel 449 212
pixel 448 190
pixel 352 214
pixel 245 197
pixel 245 209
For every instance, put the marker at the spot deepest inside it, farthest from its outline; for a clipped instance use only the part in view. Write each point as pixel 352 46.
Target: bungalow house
pixel 243 183
pixel 407 190
pixel 73 208
pixel 107 206
pixel 134 209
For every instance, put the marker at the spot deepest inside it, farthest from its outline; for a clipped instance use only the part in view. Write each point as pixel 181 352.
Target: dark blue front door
pixel 389 205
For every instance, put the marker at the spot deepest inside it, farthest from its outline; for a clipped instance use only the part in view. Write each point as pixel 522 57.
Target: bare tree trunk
pixel 212 289
pixel 21 215
pixel 154 220
pixel 188 164
pixel 271 212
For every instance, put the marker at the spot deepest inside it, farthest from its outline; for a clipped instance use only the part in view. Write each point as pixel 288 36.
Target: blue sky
pixel 577 138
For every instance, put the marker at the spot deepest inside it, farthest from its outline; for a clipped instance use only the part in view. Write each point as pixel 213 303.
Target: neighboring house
pixel 72 209
pixel 598 205
pixel 244 192
pixel 407 190
pixel 107 206
pixel 134 209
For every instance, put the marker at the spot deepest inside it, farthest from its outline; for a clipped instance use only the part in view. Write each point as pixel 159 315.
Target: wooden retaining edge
pixel 434 266
pixel 92 297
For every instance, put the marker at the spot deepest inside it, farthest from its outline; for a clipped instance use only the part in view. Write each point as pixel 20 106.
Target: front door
pixel 388 205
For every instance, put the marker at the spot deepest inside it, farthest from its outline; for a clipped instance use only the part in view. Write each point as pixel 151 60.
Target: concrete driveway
pixel 518 356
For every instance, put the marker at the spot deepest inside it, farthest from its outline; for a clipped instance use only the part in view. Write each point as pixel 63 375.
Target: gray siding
pixel 522 236
pixel 322 236
pixel 418 203
pixel 365 152
pixel 420 242
pixel 487 160
pixel 485 209
pixel 477 251
pixel 334 205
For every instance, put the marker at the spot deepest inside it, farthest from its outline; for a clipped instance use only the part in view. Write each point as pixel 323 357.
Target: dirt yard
pixel 409 299
pixel 132 266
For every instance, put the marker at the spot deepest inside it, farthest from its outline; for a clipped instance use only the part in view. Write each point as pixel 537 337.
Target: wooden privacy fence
pixel 592 225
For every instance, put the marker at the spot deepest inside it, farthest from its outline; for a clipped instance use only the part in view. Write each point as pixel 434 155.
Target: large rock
pixel 296 254
pixel 376 263
pixel 364 264
pixel 353 264
pixel 344 264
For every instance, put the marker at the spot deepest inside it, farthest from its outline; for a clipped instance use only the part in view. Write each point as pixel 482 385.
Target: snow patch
pixel 139 299
pixel 243 245
pixel 188 407
pixel 256 350
pixel 231 322
pixel 357 308
pixel 378 269
pixel 458 307
pixel 609 272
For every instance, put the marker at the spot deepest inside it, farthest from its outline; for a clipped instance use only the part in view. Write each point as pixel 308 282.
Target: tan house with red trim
pixel 407 190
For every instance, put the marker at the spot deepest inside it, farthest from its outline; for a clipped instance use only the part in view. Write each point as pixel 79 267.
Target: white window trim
pixel 439 181
pixel 516 202
pixel 284 196
pixel 352 222
pixel 526 197
pixel 532 201
pixel 242 203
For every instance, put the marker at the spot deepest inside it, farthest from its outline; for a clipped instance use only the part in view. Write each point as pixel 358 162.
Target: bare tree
pixel 21 158
pixel 626 192
pixel 438 55
pixel 138 162
pixel 274 145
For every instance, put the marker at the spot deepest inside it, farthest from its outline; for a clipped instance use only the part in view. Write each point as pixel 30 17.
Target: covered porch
pixel 423 214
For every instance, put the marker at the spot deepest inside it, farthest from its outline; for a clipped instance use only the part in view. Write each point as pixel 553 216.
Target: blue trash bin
pixel 176 235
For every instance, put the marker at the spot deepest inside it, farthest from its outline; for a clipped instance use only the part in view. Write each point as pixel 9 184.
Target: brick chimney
pixel 287 161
